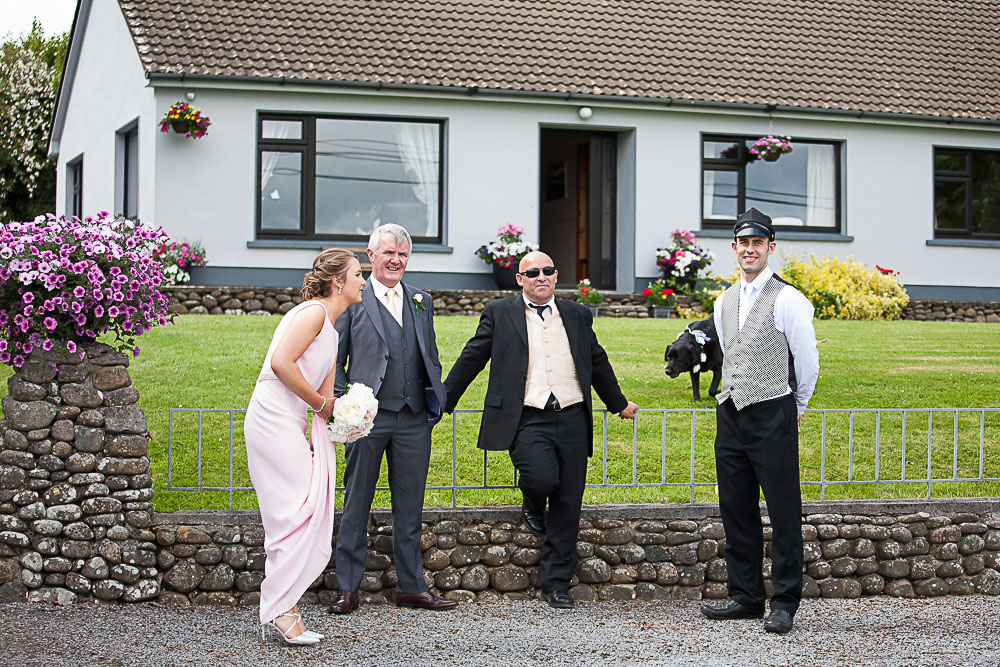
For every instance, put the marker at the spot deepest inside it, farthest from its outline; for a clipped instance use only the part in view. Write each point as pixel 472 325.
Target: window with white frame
pixel 339 177
pixel 800 191
pixel 966 193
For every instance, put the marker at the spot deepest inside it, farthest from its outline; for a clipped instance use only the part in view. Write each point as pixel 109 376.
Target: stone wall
pixel 627 552
pixel 279 300
pixel 75 485
pixel 953 311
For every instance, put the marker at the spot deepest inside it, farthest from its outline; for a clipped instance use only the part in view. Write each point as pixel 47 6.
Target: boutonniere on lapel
pixel 418 302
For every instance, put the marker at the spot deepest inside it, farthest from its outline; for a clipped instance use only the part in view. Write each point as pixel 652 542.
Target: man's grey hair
pixel 397 232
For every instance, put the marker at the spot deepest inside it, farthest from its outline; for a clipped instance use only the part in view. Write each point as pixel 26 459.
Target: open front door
pixel 577 205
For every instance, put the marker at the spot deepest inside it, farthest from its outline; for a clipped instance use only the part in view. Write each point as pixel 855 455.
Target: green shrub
pixel 845 289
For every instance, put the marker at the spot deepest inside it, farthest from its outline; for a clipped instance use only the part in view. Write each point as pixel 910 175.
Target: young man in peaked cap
pixel 769 370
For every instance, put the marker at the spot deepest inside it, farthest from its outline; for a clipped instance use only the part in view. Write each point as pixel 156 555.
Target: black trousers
pixel 404 438
pixel 757 448
pixel 550 453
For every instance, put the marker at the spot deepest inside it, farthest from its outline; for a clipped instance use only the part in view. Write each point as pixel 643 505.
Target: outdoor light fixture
pixel 585 112
pixel 189 96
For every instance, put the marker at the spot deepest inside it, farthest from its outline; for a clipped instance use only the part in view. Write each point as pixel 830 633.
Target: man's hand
pixel 800 423
pixel 629 411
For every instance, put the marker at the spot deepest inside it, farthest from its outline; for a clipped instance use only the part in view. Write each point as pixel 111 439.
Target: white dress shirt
pixel 380 291
pixel 550 305
pixel 793 316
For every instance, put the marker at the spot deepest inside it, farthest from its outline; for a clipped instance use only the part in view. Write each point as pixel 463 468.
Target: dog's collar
pixel 701 339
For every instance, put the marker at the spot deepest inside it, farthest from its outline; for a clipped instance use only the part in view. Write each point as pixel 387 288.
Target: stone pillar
pixel 75 484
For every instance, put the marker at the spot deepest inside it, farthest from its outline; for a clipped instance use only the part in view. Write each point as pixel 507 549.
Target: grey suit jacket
pixel 364 352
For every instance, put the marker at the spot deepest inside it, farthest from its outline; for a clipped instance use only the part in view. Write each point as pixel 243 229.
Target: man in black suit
pixel 544 360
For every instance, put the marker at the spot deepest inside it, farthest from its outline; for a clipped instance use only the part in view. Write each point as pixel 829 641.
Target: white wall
pixel 207 186
pixel 108 92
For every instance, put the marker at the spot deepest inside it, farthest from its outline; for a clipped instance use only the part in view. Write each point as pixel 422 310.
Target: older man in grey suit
pixel 387 342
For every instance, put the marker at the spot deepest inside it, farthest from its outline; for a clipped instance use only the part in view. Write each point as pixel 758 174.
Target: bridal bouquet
pixel 353 414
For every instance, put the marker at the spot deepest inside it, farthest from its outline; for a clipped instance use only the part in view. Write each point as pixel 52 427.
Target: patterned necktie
pixel 540 309
pixel 390 299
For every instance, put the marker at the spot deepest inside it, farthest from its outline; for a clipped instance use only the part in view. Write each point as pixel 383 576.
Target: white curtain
pixel 418 148
pixel 820 209
pixel 708 194
pixel 269 159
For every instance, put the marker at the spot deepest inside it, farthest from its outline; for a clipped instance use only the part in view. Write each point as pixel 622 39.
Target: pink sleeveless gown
pixel 295 478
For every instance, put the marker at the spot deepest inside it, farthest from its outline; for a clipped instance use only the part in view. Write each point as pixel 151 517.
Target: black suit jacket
pixel 502 339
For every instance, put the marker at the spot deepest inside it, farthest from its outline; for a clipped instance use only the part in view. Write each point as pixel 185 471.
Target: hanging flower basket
pixel 770 148
pixel 184 119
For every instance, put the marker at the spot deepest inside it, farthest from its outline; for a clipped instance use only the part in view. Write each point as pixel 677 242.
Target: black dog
pixel 696 350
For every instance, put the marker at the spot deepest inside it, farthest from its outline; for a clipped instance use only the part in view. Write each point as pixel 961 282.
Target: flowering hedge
pixel 845 289
pixel 683 262
pixel 64 280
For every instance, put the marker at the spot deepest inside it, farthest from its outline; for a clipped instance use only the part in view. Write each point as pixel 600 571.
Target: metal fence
pixel 856 446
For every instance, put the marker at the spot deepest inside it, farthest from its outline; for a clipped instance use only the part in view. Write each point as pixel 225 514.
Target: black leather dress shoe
pixel 425 600
pixel 533 519
pixel 731 610
pixel 557 599
pixel 345 603
pixel 778 621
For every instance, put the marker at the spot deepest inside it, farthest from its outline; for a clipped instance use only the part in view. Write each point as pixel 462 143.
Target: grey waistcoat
pixel 756 362
pixel 405 375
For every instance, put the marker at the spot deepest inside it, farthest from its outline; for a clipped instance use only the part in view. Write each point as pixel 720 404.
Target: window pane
pixel 949 162
pixel 985 192
pixel 280 190
pixel 281 129
pixel 131 175
pixel 949 205
pixel 798 190
pixel 722 150
pixel 374 172
pixel 720 194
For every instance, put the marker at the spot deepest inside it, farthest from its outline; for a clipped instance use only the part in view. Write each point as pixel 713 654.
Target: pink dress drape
pixel 295 478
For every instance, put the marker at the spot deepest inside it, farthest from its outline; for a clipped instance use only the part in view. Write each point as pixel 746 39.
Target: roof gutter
pixel 857 114
pixel 70 64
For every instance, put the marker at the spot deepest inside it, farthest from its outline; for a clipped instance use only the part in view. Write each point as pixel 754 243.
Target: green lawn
pixel 212 362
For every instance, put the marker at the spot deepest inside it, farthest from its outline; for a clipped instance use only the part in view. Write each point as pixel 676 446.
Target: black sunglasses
pixel 533 273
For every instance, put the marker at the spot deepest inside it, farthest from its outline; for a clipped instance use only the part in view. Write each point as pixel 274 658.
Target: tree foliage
pixel 30 67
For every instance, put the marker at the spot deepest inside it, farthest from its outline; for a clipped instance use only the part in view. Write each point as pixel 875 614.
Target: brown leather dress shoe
pixel 425 600
pixel 345 603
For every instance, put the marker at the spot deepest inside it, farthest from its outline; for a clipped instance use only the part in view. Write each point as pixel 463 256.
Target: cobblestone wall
pixel 279 300
pixel 897 548
pixel 953 311
pixel 75 485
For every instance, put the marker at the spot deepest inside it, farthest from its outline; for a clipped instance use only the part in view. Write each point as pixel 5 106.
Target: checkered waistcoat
pixel 756 362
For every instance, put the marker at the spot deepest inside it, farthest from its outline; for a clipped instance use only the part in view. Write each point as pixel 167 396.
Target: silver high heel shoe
pixel 305 639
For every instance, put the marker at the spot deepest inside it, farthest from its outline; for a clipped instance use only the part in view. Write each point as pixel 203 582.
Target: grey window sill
pixel 313 244
pixel 782 236
pixel 965 243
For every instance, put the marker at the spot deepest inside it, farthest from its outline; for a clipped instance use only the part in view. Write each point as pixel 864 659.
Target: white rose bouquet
pixel 353 414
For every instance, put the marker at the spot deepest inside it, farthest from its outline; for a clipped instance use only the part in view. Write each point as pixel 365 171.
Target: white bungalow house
pixel 597 125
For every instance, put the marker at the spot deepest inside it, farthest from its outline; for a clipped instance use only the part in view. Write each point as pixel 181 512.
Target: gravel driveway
pixel 870 631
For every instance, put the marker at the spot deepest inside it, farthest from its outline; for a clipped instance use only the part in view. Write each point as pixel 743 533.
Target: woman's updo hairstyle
pixel 329 264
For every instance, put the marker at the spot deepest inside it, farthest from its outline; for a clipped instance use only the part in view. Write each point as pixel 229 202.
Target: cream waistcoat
pixel 550 365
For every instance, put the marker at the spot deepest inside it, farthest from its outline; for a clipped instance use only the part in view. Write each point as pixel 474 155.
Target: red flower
pixel 584 290
pixel 667 292
pixel 647 292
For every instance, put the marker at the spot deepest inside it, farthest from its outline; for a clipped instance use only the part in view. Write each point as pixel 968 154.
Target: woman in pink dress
pixel 295 478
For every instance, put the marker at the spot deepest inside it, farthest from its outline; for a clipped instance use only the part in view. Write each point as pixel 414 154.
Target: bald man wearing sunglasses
pixel 544 360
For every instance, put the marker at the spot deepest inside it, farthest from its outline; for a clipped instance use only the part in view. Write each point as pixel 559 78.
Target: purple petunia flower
pixel 50 323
